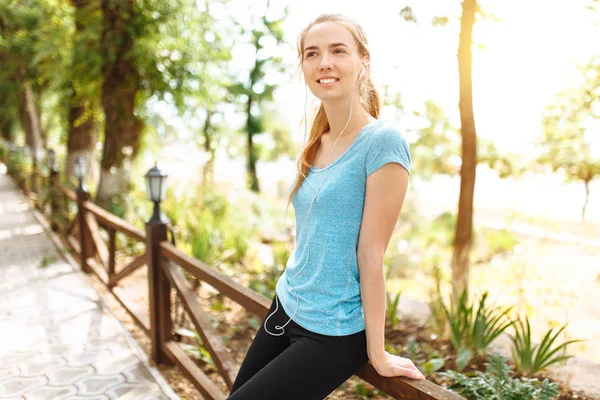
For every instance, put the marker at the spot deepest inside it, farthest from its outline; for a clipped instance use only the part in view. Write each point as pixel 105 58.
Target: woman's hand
pixel 389 365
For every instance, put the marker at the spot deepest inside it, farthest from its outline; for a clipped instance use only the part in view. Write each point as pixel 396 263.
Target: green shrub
pixel 501 241
pixel 531 358
pixel 473 327
pixel 392 308
pixel 425 357
pixel 497 384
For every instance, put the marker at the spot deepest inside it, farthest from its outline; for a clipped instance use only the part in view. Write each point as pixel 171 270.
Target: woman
pixel 328 315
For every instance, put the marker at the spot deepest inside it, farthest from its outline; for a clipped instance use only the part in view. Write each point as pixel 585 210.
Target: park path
pixel 57 338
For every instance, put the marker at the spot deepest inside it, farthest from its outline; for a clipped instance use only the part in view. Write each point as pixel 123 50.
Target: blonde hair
pixel 369 95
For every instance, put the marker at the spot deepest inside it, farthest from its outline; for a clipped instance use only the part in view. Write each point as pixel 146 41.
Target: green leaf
pixel 463 358
pixel 432 365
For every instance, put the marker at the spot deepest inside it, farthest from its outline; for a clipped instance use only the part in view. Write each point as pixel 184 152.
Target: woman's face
pixel 330 61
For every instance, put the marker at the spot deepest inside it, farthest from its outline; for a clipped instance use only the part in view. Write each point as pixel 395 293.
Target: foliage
pixel 473 327
pixel 392 308
pixel 570 130
pixel 497 384
pixel 425 358
pixel 531 358
pixel 263 33
pixel 197 349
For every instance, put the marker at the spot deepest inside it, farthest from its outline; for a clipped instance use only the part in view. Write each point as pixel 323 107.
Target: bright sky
pixel 528 56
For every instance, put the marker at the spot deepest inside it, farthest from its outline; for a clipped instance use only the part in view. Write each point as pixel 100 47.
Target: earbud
pixel 362 72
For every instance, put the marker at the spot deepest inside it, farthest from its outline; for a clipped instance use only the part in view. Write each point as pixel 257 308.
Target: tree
pixel 463 237
pixel 19 27
pixel 32 41
pixel 435 144
pixel 147 52
pixel 83 85
pixel 258 89
pixel 571 131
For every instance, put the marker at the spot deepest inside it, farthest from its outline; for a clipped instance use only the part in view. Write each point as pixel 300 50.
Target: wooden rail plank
pixel 98 269
pixel 74 243
pixel 202 382
pixel 114 222
pixel 210 337
pixel 129 269
pixel 71 195
pixel 94 231
pixel 249 299
pixel 112 251
pixel 140 320
pixel 73 224
pixel 405 388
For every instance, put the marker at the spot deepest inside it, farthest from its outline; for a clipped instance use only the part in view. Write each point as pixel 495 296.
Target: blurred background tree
pixel 571 131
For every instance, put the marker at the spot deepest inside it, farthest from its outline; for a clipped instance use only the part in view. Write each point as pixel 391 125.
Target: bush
pixel 473 327
pixel 531 358
pixel 497 384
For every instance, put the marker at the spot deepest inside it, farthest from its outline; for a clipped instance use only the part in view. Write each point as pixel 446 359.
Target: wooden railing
pixel 165 265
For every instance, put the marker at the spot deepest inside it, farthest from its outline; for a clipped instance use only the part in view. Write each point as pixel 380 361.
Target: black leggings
pixel 299 365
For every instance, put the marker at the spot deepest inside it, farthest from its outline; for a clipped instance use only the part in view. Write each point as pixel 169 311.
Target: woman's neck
pixel 338 113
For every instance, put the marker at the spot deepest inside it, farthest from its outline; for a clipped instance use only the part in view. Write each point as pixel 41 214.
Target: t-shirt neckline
pixel 356 140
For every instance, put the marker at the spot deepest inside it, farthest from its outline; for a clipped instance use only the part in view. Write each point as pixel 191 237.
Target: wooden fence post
pixel 83 196
pixel 161 324
pixel 53 198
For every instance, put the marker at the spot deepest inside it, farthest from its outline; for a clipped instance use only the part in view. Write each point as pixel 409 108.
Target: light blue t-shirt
pixel 328 287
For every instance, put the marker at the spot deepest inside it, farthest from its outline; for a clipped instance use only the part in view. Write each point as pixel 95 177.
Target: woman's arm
pixel 385 193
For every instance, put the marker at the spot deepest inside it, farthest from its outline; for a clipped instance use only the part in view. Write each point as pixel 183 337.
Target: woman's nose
pixel 325 63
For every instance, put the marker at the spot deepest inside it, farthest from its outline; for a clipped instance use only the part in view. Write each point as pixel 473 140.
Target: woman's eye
pixel 339 51
pixel 310 54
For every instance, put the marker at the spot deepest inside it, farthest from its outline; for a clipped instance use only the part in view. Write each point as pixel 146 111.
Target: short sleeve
pixel 387 145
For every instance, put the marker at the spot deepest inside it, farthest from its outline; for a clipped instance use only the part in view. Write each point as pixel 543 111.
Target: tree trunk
pixel 464 223
pixel 209 168
pixel 83 133
pixel 6 129
pixel 29 117
pixel 587 198
pixel 83 110
pixel 122 128
pixel 252 177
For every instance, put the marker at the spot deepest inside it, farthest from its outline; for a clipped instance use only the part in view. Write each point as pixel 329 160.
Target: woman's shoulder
pixel 386 132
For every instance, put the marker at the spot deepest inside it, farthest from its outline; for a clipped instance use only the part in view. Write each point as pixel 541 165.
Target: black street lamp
pixel 156 187
pixel 80 169
pixel 51 156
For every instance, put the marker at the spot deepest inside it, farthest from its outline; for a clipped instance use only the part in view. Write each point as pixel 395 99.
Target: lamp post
pixel 159 288
pixel 80 169
pixel 53 191
pixel 51 158
pixel 156 187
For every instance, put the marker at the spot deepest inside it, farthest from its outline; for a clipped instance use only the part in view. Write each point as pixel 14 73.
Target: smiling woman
pixel 328 315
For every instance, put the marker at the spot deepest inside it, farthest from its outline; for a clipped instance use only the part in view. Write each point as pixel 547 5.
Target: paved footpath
pixel 57 338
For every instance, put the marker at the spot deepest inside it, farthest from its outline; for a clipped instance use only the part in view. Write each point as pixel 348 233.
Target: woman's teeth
pixel 331 80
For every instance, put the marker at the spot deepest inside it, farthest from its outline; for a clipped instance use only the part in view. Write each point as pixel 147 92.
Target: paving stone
pixel 19 385
pixel 41 366
pixel 6 373
pixel 109 365
pixel 54 393
pixel 95 385
pixel 136 392
pixel 68 376
pixel 137 374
